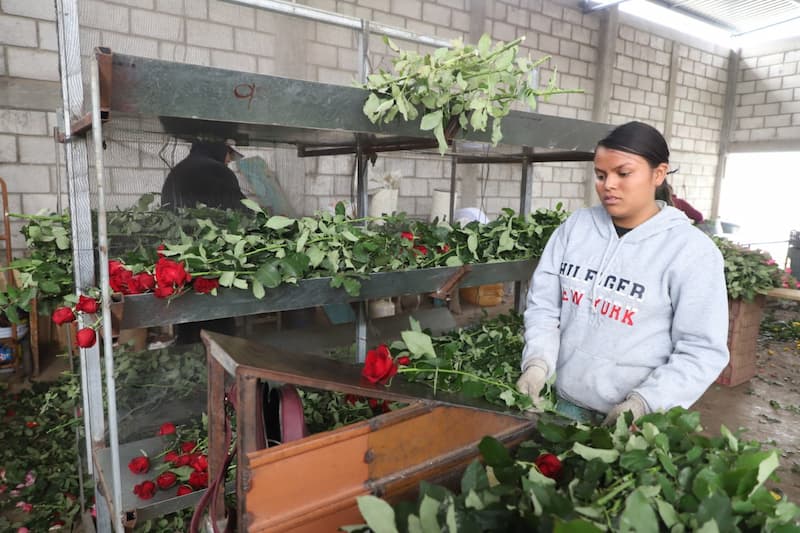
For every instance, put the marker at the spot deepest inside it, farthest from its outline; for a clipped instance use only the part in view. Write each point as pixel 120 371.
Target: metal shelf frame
pixel 318 119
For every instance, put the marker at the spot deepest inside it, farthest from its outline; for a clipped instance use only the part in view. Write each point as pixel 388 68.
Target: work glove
pixel 532 380
pixel 634 403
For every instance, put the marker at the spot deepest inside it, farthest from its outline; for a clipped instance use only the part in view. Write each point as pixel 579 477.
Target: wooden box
pixel 744 322
pixel 311 485
pixel 483 295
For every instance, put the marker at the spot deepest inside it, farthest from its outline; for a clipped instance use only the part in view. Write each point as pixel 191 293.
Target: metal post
pixel 361 324
pixel 728 119
pixel 108 349
pixel 453 176
pixel 525 195
pixel 363 51
pixel 75 156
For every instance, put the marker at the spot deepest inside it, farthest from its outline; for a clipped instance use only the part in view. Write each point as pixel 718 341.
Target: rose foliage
pixel 664 474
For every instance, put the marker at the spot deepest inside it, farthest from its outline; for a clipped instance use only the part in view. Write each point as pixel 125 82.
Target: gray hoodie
pixel 644 313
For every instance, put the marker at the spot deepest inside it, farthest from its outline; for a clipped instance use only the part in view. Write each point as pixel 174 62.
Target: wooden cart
pixel 311 484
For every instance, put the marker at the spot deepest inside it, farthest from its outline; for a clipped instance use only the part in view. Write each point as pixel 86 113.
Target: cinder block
pixel 766 109
pixel 48 40
pixel 460 20
pixel 569 48
pixel 791 81
pixel 540 23
pixel 27 8
pixel 561 29
pixel 209 34
pixel 407 8
pixel 25 178
pixel 266 65
pixel 261 44
pixel 184 54
pixel 233 61
pixel 36 150
pixel 763 134
pixel 129 44
pixel 104 16
pixel 588 53
pixel 790 107
pixel 436 14
pixel 156 25
pixel 792 132
pixel 551 190
pixel 17 31
pixel 33 64
pixel 8 149
pixel 231 14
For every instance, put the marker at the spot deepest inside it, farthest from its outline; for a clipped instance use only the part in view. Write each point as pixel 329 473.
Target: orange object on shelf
pixel 483 295
pixel 744 322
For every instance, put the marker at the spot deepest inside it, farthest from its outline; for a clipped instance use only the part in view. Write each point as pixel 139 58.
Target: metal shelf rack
pixel 316 118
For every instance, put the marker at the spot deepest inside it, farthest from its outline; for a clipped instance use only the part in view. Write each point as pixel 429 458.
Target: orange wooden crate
pixel 483 295
pixel 744 323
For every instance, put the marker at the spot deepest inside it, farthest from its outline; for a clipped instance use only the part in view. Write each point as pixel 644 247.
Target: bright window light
pixel 677 21
pixel 785 30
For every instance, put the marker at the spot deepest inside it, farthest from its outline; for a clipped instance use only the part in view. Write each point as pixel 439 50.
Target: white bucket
pixel 441 204
pixel 381 308
pixel 383 202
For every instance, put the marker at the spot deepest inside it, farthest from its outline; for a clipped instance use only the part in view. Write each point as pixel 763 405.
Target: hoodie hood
pixel 667 218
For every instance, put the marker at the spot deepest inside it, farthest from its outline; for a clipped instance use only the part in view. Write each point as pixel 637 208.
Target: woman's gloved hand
pixel 634 403
pixel 532 381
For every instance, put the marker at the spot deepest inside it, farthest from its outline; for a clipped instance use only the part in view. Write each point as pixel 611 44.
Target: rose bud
pixel 62 315
pixel 199 463
pixel 145 490
pixel 404 360
pixel 139 465
pixel 167 428
pixel 188 446
pixel 87 305
pixel 166 480
pixel 549 465
pixel 198 480
pixel 185 489
pixel 85 338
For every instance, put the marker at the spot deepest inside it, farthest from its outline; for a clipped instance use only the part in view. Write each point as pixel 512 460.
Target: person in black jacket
pixel 203 178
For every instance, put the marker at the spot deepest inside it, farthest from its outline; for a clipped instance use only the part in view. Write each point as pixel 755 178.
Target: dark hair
pixel 640 139
pixel 213 149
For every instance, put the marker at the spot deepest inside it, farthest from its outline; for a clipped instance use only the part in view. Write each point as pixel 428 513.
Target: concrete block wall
pixel 219 34
pixel 768 96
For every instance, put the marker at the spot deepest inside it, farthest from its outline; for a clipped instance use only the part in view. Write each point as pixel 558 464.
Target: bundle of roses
pixel 439 363
pixel 184 465
pixel 86 337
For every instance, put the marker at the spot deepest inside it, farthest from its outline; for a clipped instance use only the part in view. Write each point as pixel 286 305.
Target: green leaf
pixel 431 120
pixel 251 205
pixel 667 513
pixel 765 469
pixel 258 290
pixel 717 508
pixel 240 283
pixel 638 515
pixel 226 279
pixel 279 222
pixel 474 478
pixel 708 527
pixel 733 443
pixel 494 453
pixel 472 243
pixel 438 131
pixel 349 236
pixel 63 242
pixel 301 242
pixel 418 344
pixel 453 261
pixel 378 514
pixel 607 456
pixel 268 275
pixel 428 510
pixel 637 460
pixel 315 256
pixel 575 526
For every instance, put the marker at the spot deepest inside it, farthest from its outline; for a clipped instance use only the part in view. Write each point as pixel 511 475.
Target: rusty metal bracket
pixel 83 124
pixel 452 283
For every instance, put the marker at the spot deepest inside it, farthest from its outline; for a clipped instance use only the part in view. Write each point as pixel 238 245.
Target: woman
pixel 628 305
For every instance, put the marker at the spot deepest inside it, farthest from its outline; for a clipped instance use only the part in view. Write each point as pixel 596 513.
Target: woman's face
pixel 626 185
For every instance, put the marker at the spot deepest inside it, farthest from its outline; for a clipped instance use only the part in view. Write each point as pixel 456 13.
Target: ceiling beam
pixel 589 6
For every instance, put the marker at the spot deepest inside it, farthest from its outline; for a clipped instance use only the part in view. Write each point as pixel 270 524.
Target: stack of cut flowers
pixel 661 474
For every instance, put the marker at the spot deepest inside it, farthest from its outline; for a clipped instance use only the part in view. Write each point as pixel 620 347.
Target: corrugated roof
pixel 738 16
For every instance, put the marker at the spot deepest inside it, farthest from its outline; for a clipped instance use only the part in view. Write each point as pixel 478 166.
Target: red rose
pixel 188 446
pixel 171 273
pixel 404 360
pixel 549 465
pixel 120 280
pixel 139 465
pixel 421 249
pixel 443 249
pixel 164 292
pixel 87 305
pixel 379 366
pixel 145 490
pixel 171 457
pixel 31 424
pixel 114 267
pixel 205 285
pixel 378 405
pixel 198 480
pixel 166 480
pixel 160 249
pixel 62 315
pixel 85 338
pixel 407 235
pixel 167 428
pixel 199 462
pixel 141 282
pixel 182 460
pixel 10 413
pixel 185 489
pixel 58 524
